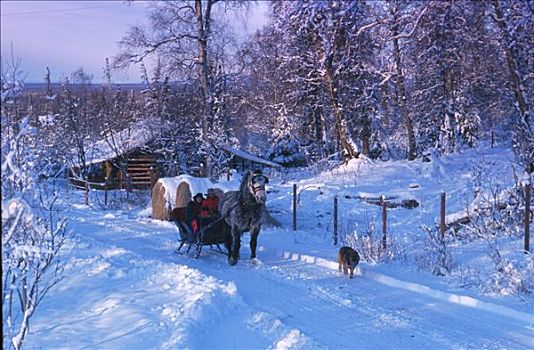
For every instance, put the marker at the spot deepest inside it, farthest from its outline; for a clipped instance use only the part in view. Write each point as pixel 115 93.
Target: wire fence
pixel 385 217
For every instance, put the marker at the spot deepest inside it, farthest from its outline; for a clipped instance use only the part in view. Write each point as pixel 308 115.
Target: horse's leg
pixel 254 233
pixel 228 242
pixel 236 245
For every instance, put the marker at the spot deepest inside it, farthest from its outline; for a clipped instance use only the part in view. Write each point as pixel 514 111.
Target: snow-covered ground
pixel 126 288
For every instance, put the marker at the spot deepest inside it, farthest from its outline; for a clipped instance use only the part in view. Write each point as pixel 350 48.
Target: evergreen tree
pixel 285 149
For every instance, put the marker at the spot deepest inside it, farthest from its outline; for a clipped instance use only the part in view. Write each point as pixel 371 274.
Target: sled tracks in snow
pixel 463 300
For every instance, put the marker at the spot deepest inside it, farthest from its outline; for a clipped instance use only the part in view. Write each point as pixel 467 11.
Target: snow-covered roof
pixel 124 141
pixel 246 155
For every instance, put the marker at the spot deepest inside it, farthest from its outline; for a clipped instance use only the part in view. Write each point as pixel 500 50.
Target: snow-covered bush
pixel 495 215
pixel 370 245
pixel 33 231
pixel 119 200
pixel 436 255
pixel 509 276
pixel 491 210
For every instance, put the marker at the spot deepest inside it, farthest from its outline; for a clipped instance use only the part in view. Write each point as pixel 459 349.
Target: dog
pixel 349 258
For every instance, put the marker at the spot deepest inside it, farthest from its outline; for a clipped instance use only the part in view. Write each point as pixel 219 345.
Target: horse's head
pixel 256 186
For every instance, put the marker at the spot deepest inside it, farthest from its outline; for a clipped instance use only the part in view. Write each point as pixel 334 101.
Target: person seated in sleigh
pixel 210 206
pixel 193 212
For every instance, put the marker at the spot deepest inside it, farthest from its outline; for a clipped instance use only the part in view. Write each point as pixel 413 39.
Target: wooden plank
pixel 144 170
pixel 141 161
pixel 146 165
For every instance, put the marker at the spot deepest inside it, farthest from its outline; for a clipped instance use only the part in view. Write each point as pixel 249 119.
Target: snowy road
pixel 126 289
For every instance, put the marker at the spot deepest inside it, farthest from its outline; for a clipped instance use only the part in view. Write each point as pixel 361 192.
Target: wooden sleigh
pixel 214 231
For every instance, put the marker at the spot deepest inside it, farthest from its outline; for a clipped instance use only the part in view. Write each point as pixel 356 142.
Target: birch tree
pixel 182 34
pixel 337 33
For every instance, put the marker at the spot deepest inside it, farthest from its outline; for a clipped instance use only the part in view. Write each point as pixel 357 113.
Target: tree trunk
pixel 319 127
pixel 203 28
pixel 348 148
pixel 516 84
pixel 401 98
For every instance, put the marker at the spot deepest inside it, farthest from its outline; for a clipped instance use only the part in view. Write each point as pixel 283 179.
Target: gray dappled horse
pixel 243 211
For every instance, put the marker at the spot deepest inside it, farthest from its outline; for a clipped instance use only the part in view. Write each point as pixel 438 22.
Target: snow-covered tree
pixel 336 32
pixel 442 57
pixel 401 19
pixel 33 231
pixel 183 34
pixel 75 125
pixel 285 147
pixel 221 133
pixel 516 22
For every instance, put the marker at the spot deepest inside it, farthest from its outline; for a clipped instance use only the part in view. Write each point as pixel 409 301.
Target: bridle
pixel 257 183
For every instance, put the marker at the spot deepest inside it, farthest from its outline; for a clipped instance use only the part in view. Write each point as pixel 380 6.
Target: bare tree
pixel 182 33
pixel 33 231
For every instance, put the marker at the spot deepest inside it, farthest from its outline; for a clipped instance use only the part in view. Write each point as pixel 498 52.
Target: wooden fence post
pixel 442 225
pixel 106 190
pixel 128 186
pixel 294 207
pixel 527 217
pixel 86 192
pixel 384 222
pixel 152 182
pixel 335 220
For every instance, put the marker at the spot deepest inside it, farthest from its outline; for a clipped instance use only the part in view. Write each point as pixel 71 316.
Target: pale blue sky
pixel 65 35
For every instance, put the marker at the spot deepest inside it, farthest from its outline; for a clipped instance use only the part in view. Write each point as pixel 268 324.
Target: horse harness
pixel 257 183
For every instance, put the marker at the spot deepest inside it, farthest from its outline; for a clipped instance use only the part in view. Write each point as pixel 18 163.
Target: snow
pixel 126 288
pixel 196 185
pixel 249 156
pixel 123 141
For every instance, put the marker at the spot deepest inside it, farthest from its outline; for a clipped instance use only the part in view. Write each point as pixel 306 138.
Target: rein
pixel 213 223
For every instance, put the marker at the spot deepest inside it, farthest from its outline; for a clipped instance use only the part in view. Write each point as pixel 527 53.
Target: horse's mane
pixel 243 190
